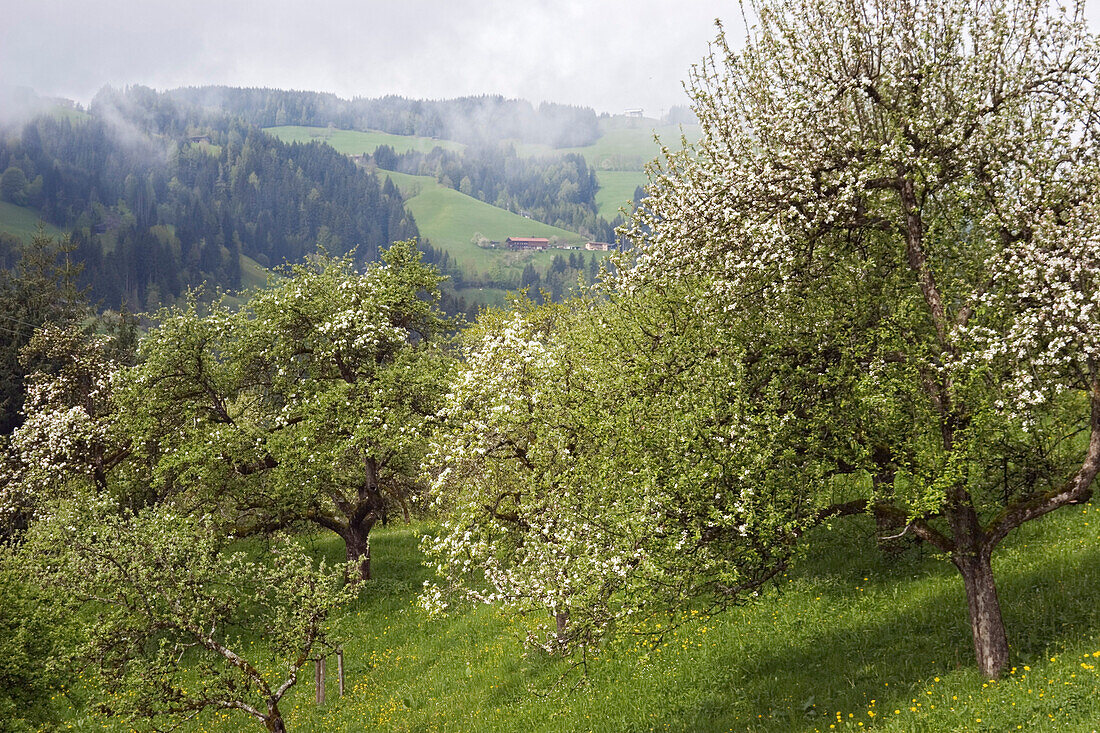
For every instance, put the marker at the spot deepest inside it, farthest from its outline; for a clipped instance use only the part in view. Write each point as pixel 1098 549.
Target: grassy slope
pixel 68 113
pixel 352 142
pixel 849 638
pixel 450 219
pixel 618 156
pixel 623 146
pixel 23 221
pixel 446 217
pixel 253 277
pixel 253 274
pixel 616 189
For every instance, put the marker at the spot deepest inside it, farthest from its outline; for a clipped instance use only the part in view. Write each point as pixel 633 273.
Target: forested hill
pixel 473 120
pixel 160 195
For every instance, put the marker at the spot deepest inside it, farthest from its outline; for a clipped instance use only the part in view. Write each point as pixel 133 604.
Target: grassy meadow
pixel 450 219
pixel 354 142
pixel 253 274
pixel 618 158
pixel 64 112
pixel 626 145
pixel 495 297
pixel 617 190
pixel 850 640
pixel 23 222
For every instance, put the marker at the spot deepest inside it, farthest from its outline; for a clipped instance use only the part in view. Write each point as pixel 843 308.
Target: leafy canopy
pixel 873 285
pixel 169 613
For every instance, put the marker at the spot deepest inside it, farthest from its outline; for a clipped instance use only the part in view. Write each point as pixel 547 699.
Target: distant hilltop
pixel 471 120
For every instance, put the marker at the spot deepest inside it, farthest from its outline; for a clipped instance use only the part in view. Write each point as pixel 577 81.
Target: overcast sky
pixel 607 54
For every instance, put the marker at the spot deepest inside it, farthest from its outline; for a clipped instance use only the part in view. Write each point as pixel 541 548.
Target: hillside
pixel 618 157
pixel 616 190
pixel 849 640
pixel 23 221
pixel 450 219
pixel 624 144
pixel 354 142
pixel 159 224
pixel 176 200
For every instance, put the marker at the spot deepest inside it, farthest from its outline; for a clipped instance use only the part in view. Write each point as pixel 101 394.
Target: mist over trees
pixel 160 197
pixel 556 190
pixel 471 120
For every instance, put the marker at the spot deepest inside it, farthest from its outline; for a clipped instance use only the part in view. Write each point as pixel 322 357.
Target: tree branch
pixel 1075 491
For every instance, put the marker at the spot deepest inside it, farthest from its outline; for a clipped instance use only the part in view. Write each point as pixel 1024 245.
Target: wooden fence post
pixel 340 668
pixel 319 681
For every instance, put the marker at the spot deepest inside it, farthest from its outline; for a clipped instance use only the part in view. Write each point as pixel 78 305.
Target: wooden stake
pixel 340 668
pixel 319 681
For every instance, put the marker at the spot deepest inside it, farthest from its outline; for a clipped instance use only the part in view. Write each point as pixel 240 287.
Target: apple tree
pixel 889 233
pixel 311 403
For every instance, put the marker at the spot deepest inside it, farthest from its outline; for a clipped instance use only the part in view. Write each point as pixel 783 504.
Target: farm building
pixel 527 243
pixel 598 246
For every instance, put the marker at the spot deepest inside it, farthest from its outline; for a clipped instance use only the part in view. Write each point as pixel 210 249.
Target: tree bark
pixel 561 618
pixel 274 720
pixel 357 546
pixel 986 622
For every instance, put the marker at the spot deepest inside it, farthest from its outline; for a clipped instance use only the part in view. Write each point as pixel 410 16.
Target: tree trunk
pixel 561 618
pixel 274 720
pixel 357 547
pixel 986 623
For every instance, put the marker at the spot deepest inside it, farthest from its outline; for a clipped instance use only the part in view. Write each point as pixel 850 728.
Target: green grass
pixel 450 219
pixel 446 217
pixel 618 156
pixel 214 151
pixel 253 277
pixel 485 296
pixel 622 148
pixel 253 274
pixel 353 142
pixel 23 222
pixel 63 112
pixel 849 637
pixel 616 190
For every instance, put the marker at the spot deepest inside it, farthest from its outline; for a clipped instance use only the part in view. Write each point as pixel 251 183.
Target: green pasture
pixel 451 219
pixel 23 222
pixel 253 274
pixel 495 297
pixel 623 148
pixel 616 190
pixel 63 112
pixel 214 151
pixel 354 142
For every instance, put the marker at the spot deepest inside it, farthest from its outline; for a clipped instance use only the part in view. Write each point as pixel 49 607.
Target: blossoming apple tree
pixel 311 403
pixel 167 613
pixel 890 230
pixel 584 468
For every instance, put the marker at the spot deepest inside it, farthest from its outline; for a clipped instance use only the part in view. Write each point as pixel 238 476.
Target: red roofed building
pixel 527 243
